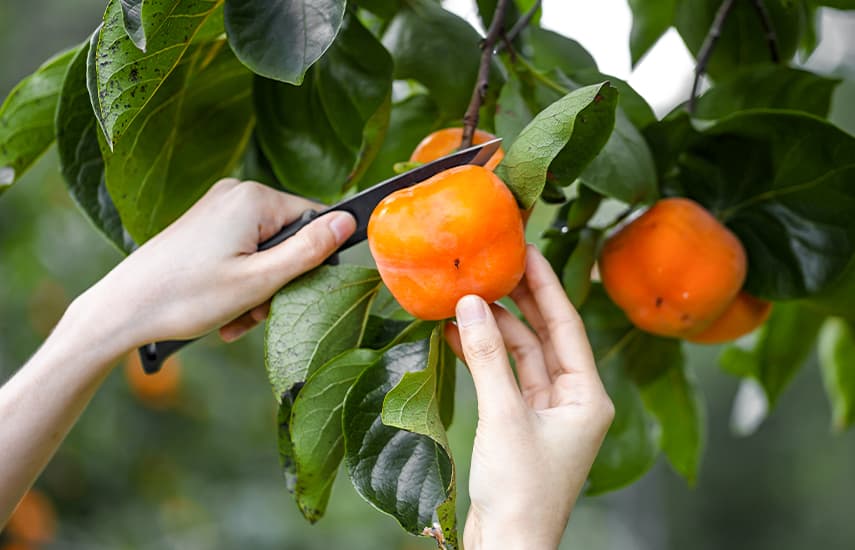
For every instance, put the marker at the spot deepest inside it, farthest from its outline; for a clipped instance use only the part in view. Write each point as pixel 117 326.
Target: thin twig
pixel 707 48
pixel 768 28
pixel 521 23
pixel 470 119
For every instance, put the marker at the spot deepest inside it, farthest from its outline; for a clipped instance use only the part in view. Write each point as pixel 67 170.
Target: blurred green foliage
pixel 204 472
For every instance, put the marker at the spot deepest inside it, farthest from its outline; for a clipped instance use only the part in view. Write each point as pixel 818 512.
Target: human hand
pixel 204 270
pixel 536 441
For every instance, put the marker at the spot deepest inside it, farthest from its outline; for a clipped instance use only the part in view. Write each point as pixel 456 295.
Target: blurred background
pixel 190 461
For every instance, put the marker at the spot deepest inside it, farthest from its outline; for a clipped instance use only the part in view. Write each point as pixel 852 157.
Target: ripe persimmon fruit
pixel 744 314
pixel 446 141
pixel 674 269
pixel 158 390
pixel 34 520
pixel 457 233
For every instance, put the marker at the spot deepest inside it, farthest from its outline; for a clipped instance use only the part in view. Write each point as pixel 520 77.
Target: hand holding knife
pixel 360 206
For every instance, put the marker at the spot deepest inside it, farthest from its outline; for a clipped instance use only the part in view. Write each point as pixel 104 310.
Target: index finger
pixel 563 323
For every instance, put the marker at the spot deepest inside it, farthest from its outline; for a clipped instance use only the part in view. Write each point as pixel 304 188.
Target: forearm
pixel 41 402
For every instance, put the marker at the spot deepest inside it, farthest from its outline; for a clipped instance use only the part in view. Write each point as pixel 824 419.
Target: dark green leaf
pixel 624 170
pixel 675 401
pixel 423 38
pixel 315 318
pixel 381 8
pixel 404 474
pixel 125 79
pixel 838 299
pixel 319 134
pixel 781 349
pixel 281 39
pixel 768 86
pixel 512 111
pixel 837 360
pixel 650 20
pixel 560 141
pixel 193 132
pixel 583 208
pixel 633 440
pixel 80 155
pixel 27 118
pixel 550 50
pixel 742 40
pixel 315 428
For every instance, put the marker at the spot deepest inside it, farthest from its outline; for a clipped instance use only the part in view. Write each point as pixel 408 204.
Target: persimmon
pixel 457 233
pixel 744 314
pixel 34 520
pixel 674 269
pixel 158 390
pixel 446 141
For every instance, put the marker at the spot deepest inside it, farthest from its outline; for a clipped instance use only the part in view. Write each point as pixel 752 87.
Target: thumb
pixel 307 249
pixel 486 357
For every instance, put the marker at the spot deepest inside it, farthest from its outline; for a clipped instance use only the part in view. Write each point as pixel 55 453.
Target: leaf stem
pixel 707 48
pixel 537 74
pixel 521 23
pixel 470 118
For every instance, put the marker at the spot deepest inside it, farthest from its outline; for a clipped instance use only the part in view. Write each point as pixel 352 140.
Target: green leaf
pixel 315 428
pixel 124 79
pixel 80 155
pixel 512 111
pixel 281 39
pixel 650 20
pixel 781 182
pixel 560 141
pixel 767 86
pixel 838 299
pixel 415 404
pixel 837 361
pixel 405 474
pixel 410 121
pixel 132 18
pixel 624 169
pixel 319 134
pixel 742 41
pixel 781 349
pixel 633 440
pixel 381 8
pixel 675 400
pixel 27 118
pixel 423 38
pixel 576 276
pixel 635 107
pixel 550 50
pixel 313 319
pixel 583 208
pixel 193 132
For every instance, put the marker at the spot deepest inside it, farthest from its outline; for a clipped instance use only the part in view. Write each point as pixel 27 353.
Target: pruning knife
pixel 360 206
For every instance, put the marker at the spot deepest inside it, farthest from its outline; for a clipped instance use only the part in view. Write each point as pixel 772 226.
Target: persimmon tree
pixel 325 97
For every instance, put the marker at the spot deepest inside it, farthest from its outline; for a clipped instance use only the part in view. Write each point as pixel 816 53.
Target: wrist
pixel 95 329
pixel 483 532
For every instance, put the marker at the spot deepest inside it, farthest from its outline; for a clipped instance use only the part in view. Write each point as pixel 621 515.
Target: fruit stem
pixel 470 118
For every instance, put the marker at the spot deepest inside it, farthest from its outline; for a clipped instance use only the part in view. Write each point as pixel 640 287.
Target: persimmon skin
pixel 457 233
pixel 34 519
pixel 159 390
pixel 674 269
pixel 744 314
pixel 446 141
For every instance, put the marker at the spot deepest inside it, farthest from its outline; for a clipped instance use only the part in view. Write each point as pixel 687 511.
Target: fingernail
pixel 342 225
pixel 471 310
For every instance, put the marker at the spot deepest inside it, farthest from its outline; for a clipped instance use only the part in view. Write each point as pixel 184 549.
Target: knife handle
pixel 152 356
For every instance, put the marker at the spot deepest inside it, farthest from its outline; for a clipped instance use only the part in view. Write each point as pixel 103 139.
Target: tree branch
pixel 521 23
pixel 768 28
pixel 470 118
pixel 707 48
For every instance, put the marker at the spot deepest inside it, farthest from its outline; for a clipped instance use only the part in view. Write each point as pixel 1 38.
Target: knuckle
pixel 484 349
pixel 316 241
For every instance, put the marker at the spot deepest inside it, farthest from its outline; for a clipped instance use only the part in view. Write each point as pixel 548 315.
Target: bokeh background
pixel 196 467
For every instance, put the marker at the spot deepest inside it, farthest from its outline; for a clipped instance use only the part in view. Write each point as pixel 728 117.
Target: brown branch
pixel 707 48
pixel 521 23
pixel 470 118
pixel 768 28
